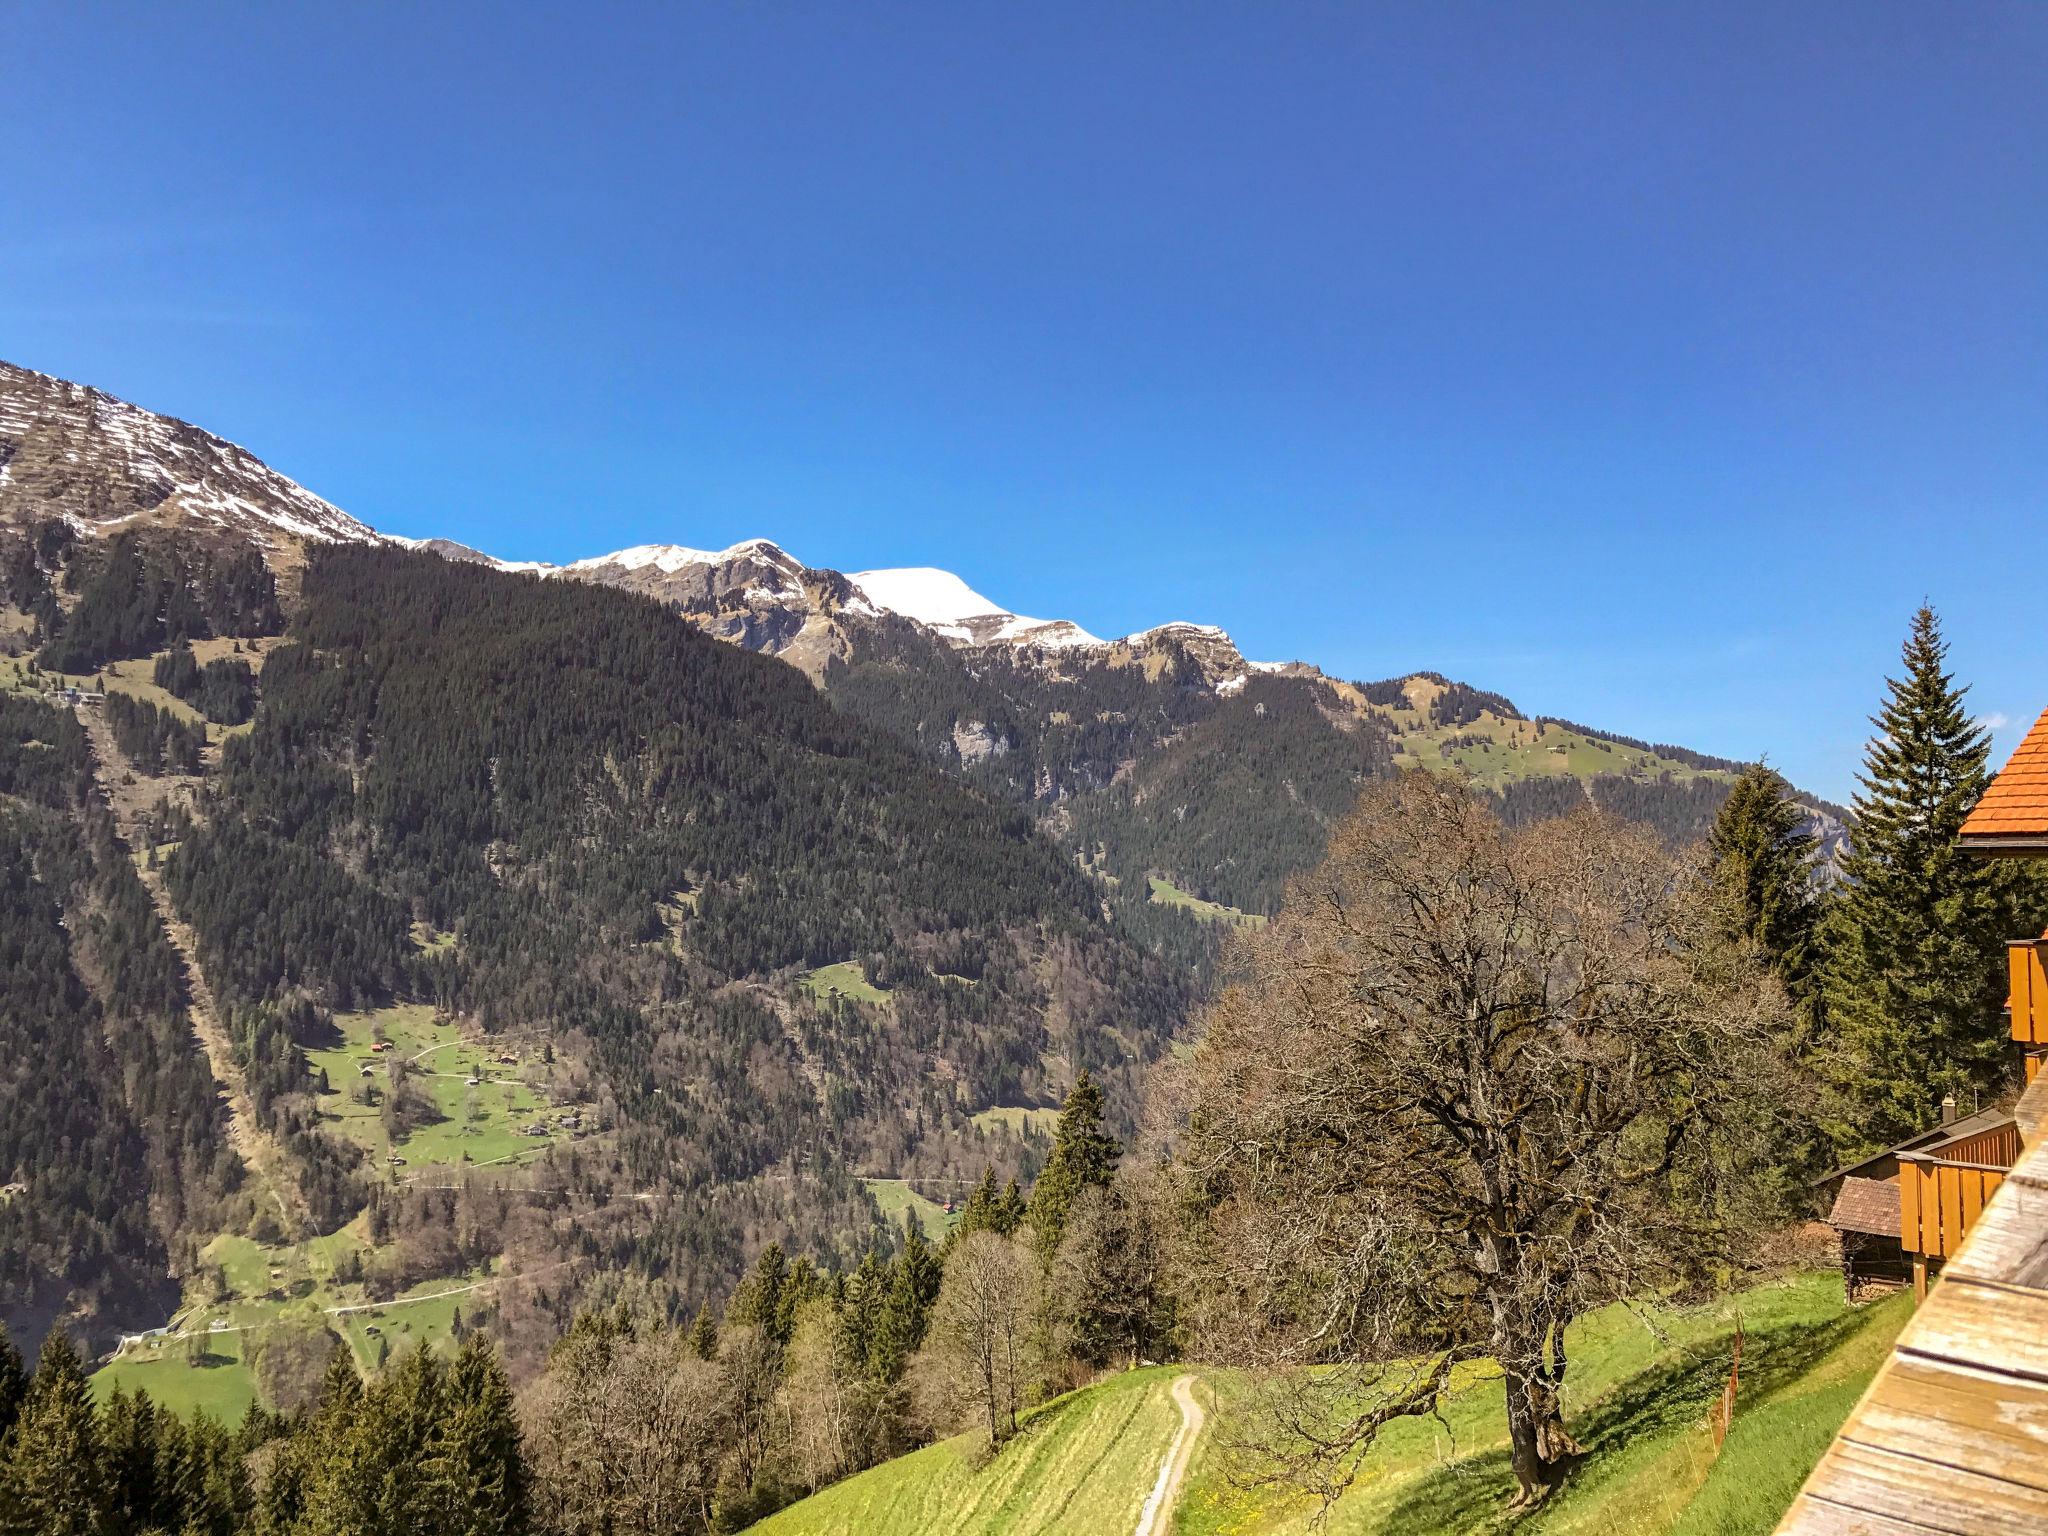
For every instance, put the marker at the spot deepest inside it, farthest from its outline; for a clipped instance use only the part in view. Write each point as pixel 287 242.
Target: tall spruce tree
pixel 913 1287
pixel 129 1453
pixel 13 1384
pixel 1084 1156
pixel 55 1484
pixel 1914 976
pixel 982 1211
pixel 479 1467
pixel 1763 851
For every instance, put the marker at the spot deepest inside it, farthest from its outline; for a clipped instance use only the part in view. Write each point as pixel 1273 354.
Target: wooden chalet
pixel 1952 1435
pixel 1867 1212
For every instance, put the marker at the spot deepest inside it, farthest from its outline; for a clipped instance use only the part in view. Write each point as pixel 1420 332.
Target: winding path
pixel 1173 1471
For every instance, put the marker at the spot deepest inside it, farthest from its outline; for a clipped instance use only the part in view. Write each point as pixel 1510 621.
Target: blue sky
pixel 1646 363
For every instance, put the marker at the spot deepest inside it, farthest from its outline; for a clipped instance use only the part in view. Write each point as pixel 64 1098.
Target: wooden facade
pixel 2027 992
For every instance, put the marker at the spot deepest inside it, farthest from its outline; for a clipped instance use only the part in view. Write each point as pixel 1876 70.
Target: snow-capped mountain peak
pixel 670 558
pixel 945 604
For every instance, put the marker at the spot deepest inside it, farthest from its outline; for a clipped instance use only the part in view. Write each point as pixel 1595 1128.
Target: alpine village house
pixel 1952 1435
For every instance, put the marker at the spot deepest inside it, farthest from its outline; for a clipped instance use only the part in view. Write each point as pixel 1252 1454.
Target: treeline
pixel 618 819
pixel 223 690
pixel 641 1426
pixel 113 1144
pixel 636 1424
pixel 1705 761
pixel 152 738
pixel 1461 704
pixel 429 1448
pixel 1237 804
pixel 135 596
pixel 1680 811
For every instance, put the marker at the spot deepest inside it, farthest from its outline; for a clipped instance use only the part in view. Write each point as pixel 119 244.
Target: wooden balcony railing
pixel 1939 1197
pixel 2027 995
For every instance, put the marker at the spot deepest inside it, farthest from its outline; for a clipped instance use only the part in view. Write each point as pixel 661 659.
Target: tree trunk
pixel 1542 1451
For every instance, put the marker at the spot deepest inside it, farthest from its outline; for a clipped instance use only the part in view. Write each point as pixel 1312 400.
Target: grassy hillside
pixel 1642 1385
pixel 1081 1466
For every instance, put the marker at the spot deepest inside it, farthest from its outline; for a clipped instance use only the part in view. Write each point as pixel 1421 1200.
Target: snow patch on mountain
pixel 82 453
pixel 942 602
pixel 670 558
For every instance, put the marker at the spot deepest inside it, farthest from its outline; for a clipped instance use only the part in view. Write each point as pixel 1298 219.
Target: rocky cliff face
pixel 70 451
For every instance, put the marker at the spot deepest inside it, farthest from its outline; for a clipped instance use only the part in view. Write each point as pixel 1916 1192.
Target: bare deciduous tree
pixel 1470 1084
pixel 627 1435
pixel 979 1348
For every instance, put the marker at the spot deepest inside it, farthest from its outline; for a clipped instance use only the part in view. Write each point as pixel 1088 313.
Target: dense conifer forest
pixel 111 1137
pixel 636 836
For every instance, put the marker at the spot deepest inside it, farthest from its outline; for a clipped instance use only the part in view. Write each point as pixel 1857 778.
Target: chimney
pixel 1948 1109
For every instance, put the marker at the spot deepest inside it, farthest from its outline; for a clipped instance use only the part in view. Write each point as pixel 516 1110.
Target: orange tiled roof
pixel 2016 804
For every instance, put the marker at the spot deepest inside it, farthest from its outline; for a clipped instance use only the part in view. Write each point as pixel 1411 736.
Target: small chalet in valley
pixel 1952 1435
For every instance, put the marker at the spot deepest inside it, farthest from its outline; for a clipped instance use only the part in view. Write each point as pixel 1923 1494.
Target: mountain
pixel 1164 760
pixel 106 466
pixel 405 922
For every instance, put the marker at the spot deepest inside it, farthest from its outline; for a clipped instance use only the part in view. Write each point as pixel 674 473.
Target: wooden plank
pixel 2018 1000
pixel 1975 1187
pixel 1909 1209
pixel 2009 1242
pixel 1989 1326
pixel 1812 1516
pixel 1980 1421
pixel 1927 1493
pixel 2037 995
pixel 1948 1184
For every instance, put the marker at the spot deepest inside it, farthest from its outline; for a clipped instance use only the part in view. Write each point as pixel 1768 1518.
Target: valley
pixel 697 963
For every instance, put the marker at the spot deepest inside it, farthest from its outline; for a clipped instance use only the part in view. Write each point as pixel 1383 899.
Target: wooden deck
pixel 1952 1436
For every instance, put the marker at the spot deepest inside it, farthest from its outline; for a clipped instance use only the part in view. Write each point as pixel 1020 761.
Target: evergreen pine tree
pixel 860 1299
pixel 913 1287
pixel 1009 1214
pixel 216 1491
pixel 129 1445
pixel 1914 975
pixel 759 1297
pixel 1084 1156
pixel 1763 859
pixel 704 1335
pixel 55 1484
pixel 13 1385
pixel 983 1209
pixel 801 1284
pixel 479 1469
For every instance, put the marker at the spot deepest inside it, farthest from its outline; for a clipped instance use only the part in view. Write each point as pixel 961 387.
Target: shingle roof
pixel 2016 804
pixel 1929 1140
pixel 1867 1205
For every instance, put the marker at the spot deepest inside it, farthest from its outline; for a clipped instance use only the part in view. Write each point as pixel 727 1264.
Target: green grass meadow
pixel 1167 894
pixel 483 1123
pixel 843 979
pixel 1080 1466
pixel 1642 1384
pixel 898 1200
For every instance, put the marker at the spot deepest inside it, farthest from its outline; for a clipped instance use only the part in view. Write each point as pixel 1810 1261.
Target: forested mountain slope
pixel 1162 754
pixel 112 1139
pixel 744 932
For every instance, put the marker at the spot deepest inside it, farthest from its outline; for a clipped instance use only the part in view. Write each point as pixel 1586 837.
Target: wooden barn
pixel 1866 1210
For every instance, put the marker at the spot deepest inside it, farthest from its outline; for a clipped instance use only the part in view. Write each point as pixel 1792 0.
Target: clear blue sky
pixel 1646 363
